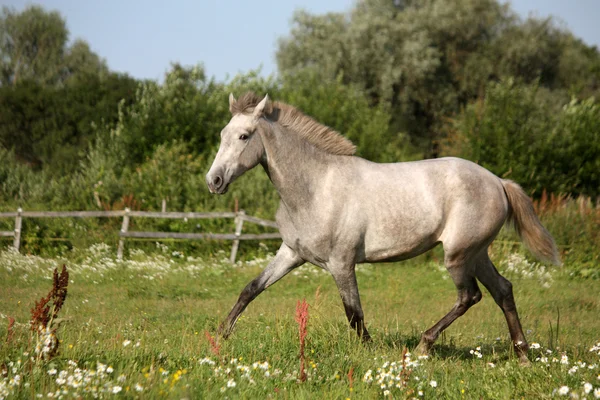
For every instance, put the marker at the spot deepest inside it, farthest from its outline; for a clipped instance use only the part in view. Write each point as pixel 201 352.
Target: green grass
pixel 146 320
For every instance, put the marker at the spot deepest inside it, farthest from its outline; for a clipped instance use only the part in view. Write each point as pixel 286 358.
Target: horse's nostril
pixel 217 181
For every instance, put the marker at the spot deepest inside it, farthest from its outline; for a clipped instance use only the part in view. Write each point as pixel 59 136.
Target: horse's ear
pixel 262 107
pixel 231 102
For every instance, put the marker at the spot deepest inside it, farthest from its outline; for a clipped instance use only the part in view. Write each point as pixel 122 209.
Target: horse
pixel 337 210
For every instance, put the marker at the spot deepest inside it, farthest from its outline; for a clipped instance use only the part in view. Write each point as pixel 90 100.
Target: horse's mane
pixel 319 135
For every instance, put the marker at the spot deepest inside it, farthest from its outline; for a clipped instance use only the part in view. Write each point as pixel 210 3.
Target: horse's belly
pixel 394 239
pixel 397 251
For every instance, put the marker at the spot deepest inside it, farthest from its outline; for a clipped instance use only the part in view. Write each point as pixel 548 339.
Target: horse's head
pixel 241 147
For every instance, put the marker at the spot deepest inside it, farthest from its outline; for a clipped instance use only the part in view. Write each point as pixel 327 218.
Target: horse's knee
pixel 467 299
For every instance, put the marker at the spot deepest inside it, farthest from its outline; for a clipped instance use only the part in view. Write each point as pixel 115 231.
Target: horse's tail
pixel 527 224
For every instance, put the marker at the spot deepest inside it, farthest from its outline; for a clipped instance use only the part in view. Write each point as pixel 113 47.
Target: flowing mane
pixel 319 135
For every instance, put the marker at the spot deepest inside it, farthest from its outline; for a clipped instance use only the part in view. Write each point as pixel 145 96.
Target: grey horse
pixel 338 210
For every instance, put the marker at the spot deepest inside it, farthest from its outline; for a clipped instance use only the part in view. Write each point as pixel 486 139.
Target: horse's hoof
pixel 524 361
pixel 422 349
pixel 222 332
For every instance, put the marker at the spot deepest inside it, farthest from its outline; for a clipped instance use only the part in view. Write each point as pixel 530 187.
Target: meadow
pixel 412 80
pixel 144 328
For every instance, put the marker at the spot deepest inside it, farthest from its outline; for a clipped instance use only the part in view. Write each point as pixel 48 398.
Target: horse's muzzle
pixel 216 183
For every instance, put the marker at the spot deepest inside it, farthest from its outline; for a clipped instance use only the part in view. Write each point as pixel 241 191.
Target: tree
pixel 426 59
pixel 51 126
pixel 52 94
pixel 32 45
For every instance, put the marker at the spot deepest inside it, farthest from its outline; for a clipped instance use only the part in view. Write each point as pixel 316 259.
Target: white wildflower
pixel 563 390
pixel 587 387
pixel 573 369
pixel 433 384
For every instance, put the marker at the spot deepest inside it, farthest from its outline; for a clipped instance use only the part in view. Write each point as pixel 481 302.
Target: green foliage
pixel 17 181
pixel 172 173
pixel 516 133
pixel 577 148
pixel 397 78
pixel 51 126
pixel 178 109
pixel 51 92
pixel 427 59
pixel 32 44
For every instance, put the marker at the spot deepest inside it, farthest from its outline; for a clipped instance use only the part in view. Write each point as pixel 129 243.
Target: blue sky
pixel 230 36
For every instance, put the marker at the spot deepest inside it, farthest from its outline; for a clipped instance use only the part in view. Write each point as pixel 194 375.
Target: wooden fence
pixel 239 218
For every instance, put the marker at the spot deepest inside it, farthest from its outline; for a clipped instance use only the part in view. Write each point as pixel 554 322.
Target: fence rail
pixel 239 217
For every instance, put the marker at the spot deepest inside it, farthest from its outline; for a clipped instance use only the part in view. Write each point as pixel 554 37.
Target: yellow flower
pixel 70 346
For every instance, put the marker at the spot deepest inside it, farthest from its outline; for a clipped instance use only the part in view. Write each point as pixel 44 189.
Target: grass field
pixel 138 329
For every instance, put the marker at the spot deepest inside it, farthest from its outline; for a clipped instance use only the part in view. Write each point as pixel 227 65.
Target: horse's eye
pixel 244 137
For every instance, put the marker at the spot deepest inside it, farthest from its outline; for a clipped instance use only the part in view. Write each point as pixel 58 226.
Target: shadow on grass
pixel 397 341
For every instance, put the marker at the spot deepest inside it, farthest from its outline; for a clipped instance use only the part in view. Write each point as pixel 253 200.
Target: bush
pixel 517 132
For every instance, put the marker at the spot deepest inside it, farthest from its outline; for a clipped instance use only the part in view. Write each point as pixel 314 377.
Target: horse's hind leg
pixel 501 290
pixel 462 274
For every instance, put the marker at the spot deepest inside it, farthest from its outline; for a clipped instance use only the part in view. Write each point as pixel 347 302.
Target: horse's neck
pixel 294 166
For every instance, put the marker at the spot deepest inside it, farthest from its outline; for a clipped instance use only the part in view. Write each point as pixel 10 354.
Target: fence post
pixel 239 223
pixel 18 226
pixel 124 229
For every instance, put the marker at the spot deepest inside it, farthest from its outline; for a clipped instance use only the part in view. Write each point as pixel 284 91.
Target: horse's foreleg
pixel 285 260
pixel 468 295
pixel 345 279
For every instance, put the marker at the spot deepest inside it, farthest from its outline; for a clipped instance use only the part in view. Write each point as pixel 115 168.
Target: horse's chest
pixel 309 241
pixel 312 248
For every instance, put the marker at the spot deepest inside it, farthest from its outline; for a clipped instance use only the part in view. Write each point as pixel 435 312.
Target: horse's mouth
pixel 222 190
